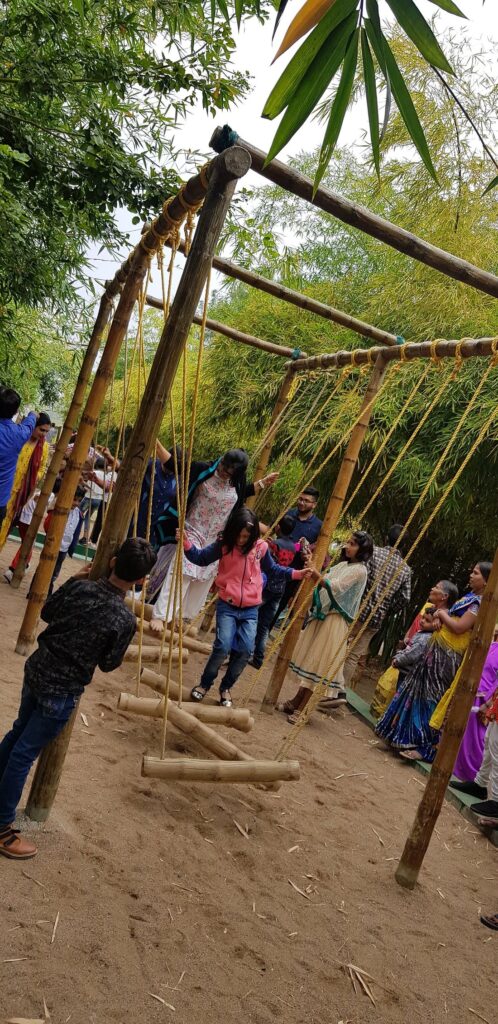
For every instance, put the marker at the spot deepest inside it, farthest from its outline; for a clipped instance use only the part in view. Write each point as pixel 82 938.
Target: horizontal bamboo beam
pixel 193 770
pixel 231 332
pixel 295 298
pixel 210 714
pixel 152 654
pixel 418 350
pixel 360 217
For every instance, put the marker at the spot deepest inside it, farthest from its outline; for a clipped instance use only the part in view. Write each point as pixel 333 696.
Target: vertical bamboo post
pixel 331 518
pixel 282 400
pixel 48 773
pixel 70 425
pixel 225 171
pixel 454 727
pixel 170 218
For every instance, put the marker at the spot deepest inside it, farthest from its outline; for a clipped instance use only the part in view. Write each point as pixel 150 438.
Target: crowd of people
pixel 256 581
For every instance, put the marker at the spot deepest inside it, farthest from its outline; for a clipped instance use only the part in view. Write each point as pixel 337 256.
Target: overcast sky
pixel 254 54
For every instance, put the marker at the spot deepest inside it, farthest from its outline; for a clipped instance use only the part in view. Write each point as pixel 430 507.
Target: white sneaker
pixel 8 574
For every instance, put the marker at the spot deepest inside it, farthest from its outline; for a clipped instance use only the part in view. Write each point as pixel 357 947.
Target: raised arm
pixel 457 626
pixel 162 453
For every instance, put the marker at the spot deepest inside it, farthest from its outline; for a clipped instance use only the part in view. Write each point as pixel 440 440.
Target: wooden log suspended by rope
pixel 282 401
pixel 70 425
pixel 204 735
pixel 468 349
pixel 157 682
pixel 361 218
pixel 134 270
pixel 223 177
pixel 451 737
pixel 300 300
pixel 151 707
pixel 152 654
pixel 231 332
pixel 186 769
pixel 190 642
pixel 330 521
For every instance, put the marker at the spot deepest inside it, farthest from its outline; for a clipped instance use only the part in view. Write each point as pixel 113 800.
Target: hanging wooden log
pixel 330 521
pixel 151 707
pixel 190 642
pixel 467 349
pixel 70 424
pixel 152 654
pixel 451 737
pixel 360 217
pixel 223 176
pixel 300 300
pixel 190 770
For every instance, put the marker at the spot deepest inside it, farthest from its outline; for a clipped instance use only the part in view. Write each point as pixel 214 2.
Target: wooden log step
pixel 152 707
pixel 193 770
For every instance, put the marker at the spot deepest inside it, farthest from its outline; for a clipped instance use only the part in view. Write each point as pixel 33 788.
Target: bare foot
pixel 156 625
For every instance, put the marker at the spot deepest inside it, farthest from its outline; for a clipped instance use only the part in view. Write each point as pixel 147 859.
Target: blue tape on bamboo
pixel 296 353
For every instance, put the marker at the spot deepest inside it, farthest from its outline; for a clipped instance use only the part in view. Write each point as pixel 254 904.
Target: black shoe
pixel 255 664
pixel 487 809
pixel 471 789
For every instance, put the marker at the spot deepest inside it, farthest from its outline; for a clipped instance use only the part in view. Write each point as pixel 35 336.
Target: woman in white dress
pixel 215 489
pixel 322 646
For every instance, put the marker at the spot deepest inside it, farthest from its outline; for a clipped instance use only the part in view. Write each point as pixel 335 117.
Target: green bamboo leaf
pixel 239 8
pixel 403 99
pixel 371 97
pixel 339 107
pixel 320 72
pixel 420 33
pixel 448 5
pixel 491 185
pixel 297 67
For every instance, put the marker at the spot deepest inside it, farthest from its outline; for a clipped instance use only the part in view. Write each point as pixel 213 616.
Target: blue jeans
pixel 235 635
pixel 266 615
pixel 87 507
pixel 39 720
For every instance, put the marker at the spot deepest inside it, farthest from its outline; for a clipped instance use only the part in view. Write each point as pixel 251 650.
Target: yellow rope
pixel 316 696
pixel 387 438
pixel 144 585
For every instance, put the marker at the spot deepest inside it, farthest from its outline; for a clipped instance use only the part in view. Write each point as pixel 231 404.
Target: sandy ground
pixel 167 913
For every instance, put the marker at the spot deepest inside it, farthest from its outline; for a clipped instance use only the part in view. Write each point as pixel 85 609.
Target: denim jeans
pixel 88 507
pixel 235 635
pixel 266 615
pixel 39 720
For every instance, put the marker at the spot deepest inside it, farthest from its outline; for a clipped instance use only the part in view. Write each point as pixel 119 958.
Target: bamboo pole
pixel 152 654
pixel 454 727
pixel 282 400
pixel 48 773
pixel 210 714
pixel 300 300
pixel 208 617
pixel 360 217
pixel 225 172
pixel 135 268
pixel 190 770
pixel 231 332
pixel 190 642
pixel 204 735
pixel 467 348
pixel 70 425
pixel 331 518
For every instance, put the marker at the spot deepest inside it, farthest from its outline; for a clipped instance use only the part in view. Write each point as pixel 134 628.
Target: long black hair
pixel 240 519
pixel 485 569
pixel 237 460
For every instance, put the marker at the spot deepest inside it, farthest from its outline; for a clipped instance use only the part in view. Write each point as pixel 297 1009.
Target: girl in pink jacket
pixel 243 559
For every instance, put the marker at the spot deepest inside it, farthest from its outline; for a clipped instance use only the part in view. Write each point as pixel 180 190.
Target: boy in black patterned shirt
pixel 89 626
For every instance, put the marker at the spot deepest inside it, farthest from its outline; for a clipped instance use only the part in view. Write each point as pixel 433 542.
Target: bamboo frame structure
pixel 283 398
pixel 329 524
pixel 48 773
pixel 299 299
pixel 222 181
pixel 210 714
pixel 454 727
pixel 189 770
pixel 465 348
pixel 112 290
pixel 190 642
pixel 135 268
pixel 360 217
